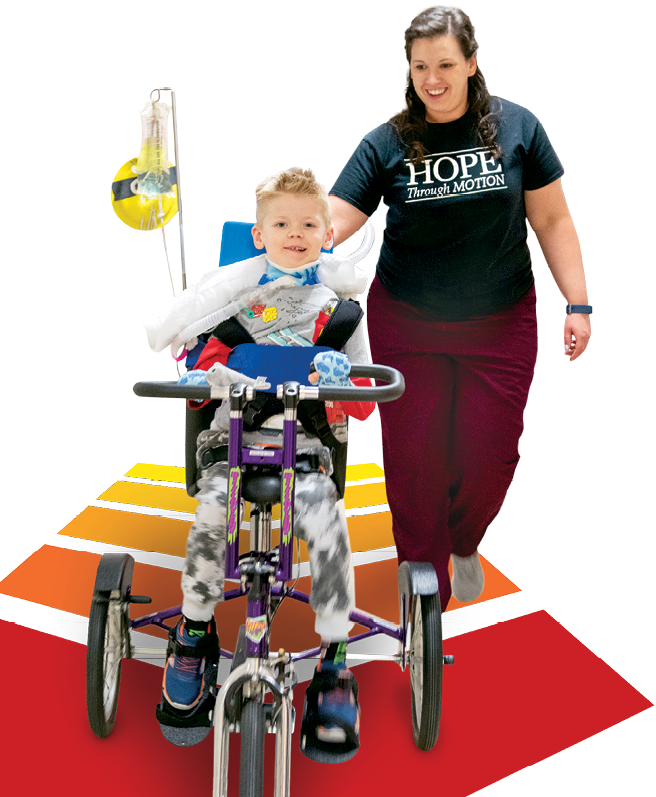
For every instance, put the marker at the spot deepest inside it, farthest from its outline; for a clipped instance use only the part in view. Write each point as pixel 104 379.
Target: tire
pixel 425 662
pixel 253 732
pixel 108 642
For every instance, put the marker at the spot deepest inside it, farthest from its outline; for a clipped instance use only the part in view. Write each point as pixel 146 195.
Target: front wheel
pixel 425 662
pixel 253 732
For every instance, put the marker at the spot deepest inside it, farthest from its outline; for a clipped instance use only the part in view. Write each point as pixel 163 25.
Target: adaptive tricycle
pixel 256 697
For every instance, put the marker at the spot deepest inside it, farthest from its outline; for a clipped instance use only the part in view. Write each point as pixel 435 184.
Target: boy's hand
pixel 331 368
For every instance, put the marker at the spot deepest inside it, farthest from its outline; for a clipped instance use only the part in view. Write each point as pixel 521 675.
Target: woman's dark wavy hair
pixel 411 123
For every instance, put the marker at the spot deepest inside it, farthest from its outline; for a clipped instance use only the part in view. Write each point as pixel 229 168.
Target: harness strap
pixel 341 325
pixel 338 329
pixel 263 407
pixel 231 333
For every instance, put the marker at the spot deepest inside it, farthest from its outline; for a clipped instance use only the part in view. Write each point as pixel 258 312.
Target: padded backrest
pixel 237 243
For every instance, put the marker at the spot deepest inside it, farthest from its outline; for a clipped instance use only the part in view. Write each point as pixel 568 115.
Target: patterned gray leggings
pixel 319 520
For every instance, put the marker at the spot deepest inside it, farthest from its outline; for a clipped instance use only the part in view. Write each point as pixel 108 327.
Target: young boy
pixel 289 305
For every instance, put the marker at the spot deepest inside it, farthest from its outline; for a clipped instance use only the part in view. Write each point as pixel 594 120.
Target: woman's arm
pixel 549 216
pixel 346 219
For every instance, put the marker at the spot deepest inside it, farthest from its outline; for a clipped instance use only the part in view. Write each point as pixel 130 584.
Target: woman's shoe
pixel 468 579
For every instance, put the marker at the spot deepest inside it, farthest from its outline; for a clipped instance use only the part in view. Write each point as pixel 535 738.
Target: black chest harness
pixel 341 324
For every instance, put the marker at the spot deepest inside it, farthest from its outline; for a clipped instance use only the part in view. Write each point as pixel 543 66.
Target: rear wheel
pixel 252 732
pixel 425 662
pixel 108 640
pixel 105 651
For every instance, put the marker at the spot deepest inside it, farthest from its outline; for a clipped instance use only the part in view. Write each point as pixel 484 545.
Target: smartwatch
pixel 578 308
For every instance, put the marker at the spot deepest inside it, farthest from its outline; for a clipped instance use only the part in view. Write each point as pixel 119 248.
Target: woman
pixel 452 305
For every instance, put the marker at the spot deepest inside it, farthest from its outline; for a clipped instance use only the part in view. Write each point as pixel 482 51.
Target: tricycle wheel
pixel 252 732
pixel 108 642
pixel 425 662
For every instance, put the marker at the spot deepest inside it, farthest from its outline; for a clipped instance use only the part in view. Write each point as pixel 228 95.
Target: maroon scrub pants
pixel 450 442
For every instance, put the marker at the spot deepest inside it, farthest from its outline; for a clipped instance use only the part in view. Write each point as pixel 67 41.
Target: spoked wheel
pixel 252 732
pixel 425 662
pixel 419 601
pixel 108 640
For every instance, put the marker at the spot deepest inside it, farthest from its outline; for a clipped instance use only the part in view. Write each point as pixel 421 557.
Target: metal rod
pixel 177 171
pixel 283 749
pixel 157 618
pixel 316 654
pixel 373 656
pixel 161 652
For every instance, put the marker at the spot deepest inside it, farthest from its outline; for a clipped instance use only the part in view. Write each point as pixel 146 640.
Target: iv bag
pixel 138 210
pixel 152 168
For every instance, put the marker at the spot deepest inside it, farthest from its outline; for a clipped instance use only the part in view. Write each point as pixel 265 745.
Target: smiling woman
pixel 440 76
pixel 453 304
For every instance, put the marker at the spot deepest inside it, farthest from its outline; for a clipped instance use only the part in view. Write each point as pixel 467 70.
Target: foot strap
pixel 207 645
pixel 187 728
pixel 198 718
pixel 317 713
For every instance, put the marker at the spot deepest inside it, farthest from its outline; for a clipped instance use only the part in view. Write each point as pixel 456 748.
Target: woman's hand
pixel 577 334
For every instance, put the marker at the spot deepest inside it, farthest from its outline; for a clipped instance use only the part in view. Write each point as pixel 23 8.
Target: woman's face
pixel 440 73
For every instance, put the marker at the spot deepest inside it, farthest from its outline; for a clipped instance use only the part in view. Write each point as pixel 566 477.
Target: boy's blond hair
pixel 291 181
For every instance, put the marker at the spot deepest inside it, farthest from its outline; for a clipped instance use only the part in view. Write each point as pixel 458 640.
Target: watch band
pixel 578 308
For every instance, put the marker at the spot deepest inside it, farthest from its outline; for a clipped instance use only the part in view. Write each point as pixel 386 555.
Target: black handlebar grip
pixel 380 393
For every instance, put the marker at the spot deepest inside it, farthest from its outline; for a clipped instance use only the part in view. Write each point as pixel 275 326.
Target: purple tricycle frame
pixel 264 574
pixel 279 563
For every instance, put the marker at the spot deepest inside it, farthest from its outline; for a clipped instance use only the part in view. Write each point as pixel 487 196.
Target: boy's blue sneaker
pixel 331 715
pixel 184 675
pixel 188 689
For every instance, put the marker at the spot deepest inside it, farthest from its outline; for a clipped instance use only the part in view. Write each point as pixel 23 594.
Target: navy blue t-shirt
pixel 455 237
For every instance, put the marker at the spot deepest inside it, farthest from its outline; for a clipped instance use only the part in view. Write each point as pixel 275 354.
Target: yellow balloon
pixel 136 210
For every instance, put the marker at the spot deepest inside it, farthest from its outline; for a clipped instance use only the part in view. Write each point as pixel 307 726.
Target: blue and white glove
pixel 333 368
pixel 220 376
pixel 198 378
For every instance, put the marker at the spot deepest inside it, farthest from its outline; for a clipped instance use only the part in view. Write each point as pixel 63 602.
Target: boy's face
pixel 292 231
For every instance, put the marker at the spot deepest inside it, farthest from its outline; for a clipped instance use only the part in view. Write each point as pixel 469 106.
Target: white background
pixel 261 86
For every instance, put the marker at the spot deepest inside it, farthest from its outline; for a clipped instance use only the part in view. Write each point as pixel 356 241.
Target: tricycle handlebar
pixel 381 393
